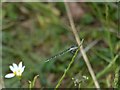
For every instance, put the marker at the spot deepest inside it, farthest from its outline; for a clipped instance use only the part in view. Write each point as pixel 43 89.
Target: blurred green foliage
pixel 33 32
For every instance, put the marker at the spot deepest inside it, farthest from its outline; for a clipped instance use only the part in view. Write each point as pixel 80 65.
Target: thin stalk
pixel 103 72
pixel 66 70
pixel 107 30
pixel 81 49
pixel 117 78
pixel 108 67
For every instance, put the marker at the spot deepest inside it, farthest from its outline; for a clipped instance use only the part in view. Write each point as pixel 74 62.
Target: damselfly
pixel 72 49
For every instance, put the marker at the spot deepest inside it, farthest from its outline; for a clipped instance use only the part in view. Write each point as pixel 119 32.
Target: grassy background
pixel 33 32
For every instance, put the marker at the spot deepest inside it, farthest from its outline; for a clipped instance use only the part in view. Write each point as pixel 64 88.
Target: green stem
pixel 20 81
pixel 103 72
pixel 117 78
pixel 66 70
pixel 108 32
pixel 30 85
pixel 79 85
pixel 108 67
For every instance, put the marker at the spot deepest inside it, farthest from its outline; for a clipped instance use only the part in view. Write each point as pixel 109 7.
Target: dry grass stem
pixel 81 49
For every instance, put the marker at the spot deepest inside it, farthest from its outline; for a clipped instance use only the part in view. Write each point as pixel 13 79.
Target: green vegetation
pixel 33 32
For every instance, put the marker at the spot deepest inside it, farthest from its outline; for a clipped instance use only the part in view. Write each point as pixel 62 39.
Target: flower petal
pixel 22 69
pixel 10 75
pixel 11 68
pixel 15 66
pixel 20 65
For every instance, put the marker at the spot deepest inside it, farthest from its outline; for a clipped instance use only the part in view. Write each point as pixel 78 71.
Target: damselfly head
pixel 73 49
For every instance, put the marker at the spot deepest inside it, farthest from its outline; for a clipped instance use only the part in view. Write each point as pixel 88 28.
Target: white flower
pixel 85 77
pixel 79 80
pixel 16 70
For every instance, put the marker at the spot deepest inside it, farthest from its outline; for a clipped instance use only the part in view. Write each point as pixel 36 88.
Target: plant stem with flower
pixel 17 71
